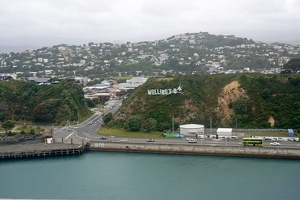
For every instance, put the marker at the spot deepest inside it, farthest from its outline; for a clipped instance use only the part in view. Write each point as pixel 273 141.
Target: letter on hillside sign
pixel 177 90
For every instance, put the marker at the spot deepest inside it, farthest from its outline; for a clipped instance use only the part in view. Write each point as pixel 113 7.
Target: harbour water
pixel 138 176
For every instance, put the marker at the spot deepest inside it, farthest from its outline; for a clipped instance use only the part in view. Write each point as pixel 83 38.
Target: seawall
pixel 240 151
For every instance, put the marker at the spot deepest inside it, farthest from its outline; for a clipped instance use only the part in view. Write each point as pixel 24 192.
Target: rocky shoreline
pixel 20 137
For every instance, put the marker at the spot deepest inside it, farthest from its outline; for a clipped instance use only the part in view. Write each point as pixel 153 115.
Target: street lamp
pixel 235 126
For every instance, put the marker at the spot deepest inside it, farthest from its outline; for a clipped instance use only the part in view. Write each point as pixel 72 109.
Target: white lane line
pixel 69 135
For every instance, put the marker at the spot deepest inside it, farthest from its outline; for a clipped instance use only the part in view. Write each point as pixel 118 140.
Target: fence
pixel 250 130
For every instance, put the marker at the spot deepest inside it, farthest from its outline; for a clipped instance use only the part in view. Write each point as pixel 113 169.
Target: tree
pixel 46 111
pixel 134 123
pixel 107 118
pixel 240 107
pixel 90 103
pixel 293 66
pixel 8 125
pixel 149 125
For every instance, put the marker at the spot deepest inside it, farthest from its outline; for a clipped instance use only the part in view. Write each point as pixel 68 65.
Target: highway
pixel 88 131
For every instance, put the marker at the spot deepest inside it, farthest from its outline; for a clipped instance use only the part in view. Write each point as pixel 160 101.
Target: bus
pixel 259 142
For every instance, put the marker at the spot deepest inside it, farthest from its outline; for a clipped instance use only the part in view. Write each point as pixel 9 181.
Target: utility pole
pixel 235 126
pixel 173 123
pixel 210 124
pixel 77 117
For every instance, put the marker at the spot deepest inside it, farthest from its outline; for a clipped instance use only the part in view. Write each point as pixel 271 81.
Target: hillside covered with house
pixel 189 53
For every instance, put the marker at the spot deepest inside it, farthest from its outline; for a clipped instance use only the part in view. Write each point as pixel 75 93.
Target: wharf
pixel 39 150
pixel 194 149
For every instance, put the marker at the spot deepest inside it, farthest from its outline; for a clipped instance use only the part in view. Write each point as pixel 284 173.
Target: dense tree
pixel 240 107
pixel 107 118
pixel 149 125
pixel 46 111
pixel 134 123
pixel 28 101
pixel 293 66
pixel 8 125
pixel 90 103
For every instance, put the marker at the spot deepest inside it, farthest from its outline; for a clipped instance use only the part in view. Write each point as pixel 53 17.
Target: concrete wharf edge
pixel 39 150
pixel 191 149
pixel 56 149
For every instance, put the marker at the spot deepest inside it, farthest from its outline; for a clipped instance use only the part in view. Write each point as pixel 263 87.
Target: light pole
pixel 210 120
pixel 173 123
pixel 235 126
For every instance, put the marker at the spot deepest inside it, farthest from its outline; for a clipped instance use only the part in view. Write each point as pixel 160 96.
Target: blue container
pixel 291 132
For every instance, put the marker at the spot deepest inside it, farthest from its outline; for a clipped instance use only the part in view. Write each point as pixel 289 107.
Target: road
pixel 88 131
pixel 210 142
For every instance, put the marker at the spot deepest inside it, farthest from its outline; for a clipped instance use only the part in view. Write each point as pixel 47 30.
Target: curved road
pixel 87 131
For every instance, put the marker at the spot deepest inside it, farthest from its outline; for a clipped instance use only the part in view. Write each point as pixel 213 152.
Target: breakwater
pixel 241 151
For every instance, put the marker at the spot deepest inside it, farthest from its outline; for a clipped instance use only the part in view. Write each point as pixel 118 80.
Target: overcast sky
pixel 50 22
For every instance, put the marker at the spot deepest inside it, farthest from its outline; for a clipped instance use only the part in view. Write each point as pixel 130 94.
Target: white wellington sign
pixel 177 90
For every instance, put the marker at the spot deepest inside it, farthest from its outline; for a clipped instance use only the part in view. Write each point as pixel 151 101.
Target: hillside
pixel 28 102
pixel 250 100
pixel 185 54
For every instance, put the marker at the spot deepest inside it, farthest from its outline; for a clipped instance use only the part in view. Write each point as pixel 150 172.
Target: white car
pixel 124 140
pixel 275 144
pixel 192 141
pixel 188 139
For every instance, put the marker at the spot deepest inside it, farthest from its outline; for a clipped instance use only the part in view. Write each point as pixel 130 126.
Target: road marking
pixel 86 133
pixel 69 135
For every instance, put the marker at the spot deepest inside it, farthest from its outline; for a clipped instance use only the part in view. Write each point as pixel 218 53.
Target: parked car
pixel 150 140
pixel 275 144
pixel 192 141
pixel 124 140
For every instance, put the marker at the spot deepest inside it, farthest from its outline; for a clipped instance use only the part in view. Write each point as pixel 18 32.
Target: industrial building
pixel 192 129
pixel 224 131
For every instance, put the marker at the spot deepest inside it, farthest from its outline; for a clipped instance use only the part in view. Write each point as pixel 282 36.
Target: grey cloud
pixel 136 20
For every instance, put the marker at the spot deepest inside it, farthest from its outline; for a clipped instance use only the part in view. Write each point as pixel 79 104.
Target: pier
pixel 39 150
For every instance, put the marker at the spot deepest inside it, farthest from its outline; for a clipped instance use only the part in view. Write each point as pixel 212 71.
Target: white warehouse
pixel 224 131
pixel 191 129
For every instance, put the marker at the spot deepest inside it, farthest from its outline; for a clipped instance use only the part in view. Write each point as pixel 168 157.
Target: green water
pixel 137 176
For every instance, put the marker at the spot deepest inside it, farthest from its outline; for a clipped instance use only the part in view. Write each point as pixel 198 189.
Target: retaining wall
pixel 264 152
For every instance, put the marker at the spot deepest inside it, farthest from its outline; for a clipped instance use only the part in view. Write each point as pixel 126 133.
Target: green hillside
pixel 250 100
pixel 28 102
